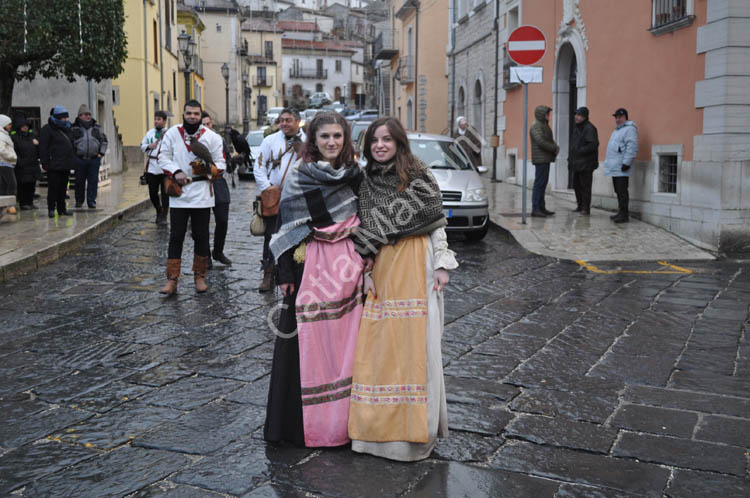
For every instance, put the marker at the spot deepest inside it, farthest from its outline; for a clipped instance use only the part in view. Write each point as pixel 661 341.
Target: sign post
pixel 526 46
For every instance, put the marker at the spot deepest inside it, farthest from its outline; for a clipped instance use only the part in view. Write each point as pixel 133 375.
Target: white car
pixel 272 114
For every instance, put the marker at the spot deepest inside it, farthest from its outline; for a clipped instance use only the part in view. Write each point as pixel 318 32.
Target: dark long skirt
pixel 284 409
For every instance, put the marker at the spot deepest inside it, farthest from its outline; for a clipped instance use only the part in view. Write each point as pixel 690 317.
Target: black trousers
pixel 26 193
pixel 199 219
pixel 7 180
pixel 620 184
pixel 57 185
pixel 221 218
pixel 582 185
pixel 270 230
pixel 155 184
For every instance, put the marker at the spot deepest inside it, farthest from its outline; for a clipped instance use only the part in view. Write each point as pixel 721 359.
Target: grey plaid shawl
pixel 314 195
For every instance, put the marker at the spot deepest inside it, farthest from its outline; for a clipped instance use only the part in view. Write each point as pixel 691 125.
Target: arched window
pixel 478 117
pixel 461 102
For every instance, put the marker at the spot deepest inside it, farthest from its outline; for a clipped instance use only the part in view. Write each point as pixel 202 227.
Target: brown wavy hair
pixel 311 152
pixel 407 165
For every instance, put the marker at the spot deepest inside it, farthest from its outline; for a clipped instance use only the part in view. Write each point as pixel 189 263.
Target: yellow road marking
pixel 673 270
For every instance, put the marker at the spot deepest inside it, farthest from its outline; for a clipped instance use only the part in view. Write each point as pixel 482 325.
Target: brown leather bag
pixel 171 186
pixel 270 198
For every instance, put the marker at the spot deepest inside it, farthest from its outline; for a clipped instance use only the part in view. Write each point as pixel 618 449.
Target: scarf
pixel 315 195
pixel 387 215
pixel 59 123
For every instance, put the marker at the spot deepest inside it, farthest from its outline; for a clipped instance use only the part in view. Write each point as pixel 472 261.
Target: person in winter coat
pixel 543 151
pixel 469 140
pixel 27 166
pixel 58 157
pixel 7 160
pixel 90 145
pixel 621 151
pixel 583 159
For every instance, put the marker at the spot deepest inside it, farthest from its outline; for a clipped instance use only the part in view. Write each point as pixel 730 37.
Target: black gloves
pixel 625 167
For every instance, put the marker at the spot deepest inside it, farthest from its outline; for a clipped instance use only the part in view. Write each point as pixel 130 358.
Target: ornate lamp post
pixel 225 75
pixel 187 48
pixel 246 96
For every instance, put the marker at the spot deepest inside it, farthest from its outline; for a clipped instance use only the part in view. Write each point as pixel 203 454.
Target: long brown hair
pixel 311 152
pixel 406 164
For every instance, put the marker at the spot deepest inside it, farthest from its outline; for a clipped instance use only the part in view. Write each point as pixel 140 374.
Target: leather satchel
pixel 171 186
pixel 270 198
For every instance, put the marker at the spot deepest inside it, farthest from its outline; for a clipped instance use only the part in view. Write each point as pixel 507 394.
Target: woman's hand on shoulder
pixel 441 278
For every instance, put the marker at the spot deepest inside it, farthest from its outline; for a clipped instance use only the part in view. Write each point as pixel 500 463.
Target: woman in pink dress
pixel 320 276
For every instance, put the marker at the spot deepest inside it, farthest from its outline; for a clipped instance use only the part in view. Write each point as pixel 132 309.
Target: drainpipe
pixel 416 67
pixel 91 99
pixel 497 90
pixel 453 67
pixel 145 57
pixel 161 66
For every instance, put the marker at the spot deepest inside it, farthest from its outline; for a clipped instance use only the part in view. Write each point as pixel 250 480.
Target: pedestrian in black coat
pixel 57 155
pixel 27 165
pixel 583 159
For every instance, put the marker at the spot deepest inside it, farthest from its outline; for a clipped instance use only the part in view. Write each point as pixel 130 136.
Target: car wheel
pixel 477 235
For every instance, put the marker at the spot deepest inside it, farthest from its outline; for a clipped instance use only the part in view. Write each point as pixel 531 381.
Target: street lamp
pixel 245 95
pixel 225 75
pixel 187 48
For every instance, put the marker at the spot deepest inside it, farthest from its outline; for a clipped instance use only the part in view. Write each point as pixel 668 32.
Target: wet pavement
pixel 564 380
pixel 568 235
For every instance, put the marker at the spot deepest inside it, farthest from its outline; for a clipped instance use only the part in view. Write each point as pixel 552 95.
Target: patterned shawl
pixel 387 215
pixel 314 195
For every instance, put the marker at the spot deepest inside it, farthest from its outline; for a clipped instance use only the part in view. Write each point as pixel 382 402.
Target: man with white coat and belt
pixel 278 152
pixel 621 152
pixel 154 175
pixel 178 161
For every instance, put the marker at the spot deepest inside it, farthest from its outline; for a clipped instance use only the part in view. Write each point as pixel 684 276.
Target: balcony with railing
pixel 263 81
pixel 385 47
pixel 669 15
pixel 406 70
pixel 308 73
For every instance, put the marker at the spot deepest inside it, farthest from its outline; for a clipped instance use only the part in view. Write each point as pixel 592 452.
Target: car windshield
pixel 439 154
pixel 357 129
pixel 255 139
pixel 275 110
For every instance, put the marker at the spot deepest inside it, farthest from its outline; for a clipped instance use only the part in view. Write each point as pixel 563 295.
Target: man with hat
pixel 544 150
pixel 90 145
pixel 621 152
pixel 57 156
pixel 583 159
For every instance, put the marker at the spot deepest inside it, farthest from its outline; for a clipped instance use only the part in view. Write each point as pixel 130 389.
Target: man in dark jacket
pixel 57 156
pixel 90 146
pixel 543 151
pixel 27 164
pixel 583 159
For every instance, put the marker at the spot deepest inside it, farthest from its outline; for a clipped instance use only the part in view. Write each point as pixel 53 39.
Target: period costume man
pixel 179 162
pixel 151 146
pixel 278 152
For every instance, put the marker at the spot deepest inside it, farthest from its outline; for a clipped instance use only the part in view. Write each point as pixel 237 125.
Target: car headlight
pixel 476 195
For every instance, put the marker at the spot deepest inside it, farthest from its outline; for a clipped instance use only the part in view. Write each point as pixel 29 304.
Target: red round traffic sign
pixel 526 45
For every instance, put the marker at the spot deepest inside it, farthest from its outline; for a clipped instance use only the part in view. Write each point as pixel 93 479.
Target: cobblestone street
pixel 619 380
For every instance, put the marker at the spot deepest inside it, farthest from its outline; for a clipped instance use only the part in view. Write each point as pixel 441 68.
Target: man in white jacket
pixel 7 160
pixel 178 161
pixel 278 152
pixel 150 145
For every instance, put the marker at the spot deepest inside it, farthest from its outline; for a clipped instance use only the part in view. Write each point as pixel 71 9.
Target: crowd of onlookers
pixel 61 146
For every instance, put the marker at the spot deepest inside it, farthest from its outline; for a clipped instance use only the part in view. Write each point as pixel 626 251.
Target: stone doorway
pixel 570 93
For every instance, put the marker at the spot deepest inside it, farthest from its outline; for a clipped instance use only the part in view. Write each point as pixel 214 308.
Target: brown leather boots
pixel 267 284
pixel 200 267
pixel 173 274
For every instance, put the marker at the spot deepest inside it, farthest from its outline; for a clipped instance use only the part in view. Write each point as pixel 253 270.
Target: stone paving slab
pixel 567 235
pixel 561 381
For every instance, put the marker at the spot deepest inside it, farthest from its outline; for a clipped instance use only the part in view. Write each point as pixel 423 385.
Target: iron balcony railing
pixel 385 47
pixel 406 70
pixel 668 11
pixel 263 81
pixel 308 73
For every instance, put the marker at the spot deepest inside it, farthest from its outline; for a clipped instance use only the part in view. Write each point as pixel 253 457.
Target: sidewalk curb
pixel 56 251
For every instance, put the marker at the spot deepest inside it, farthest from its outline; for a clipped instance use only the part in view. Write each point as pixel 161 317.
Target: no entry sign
pixel 526 45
